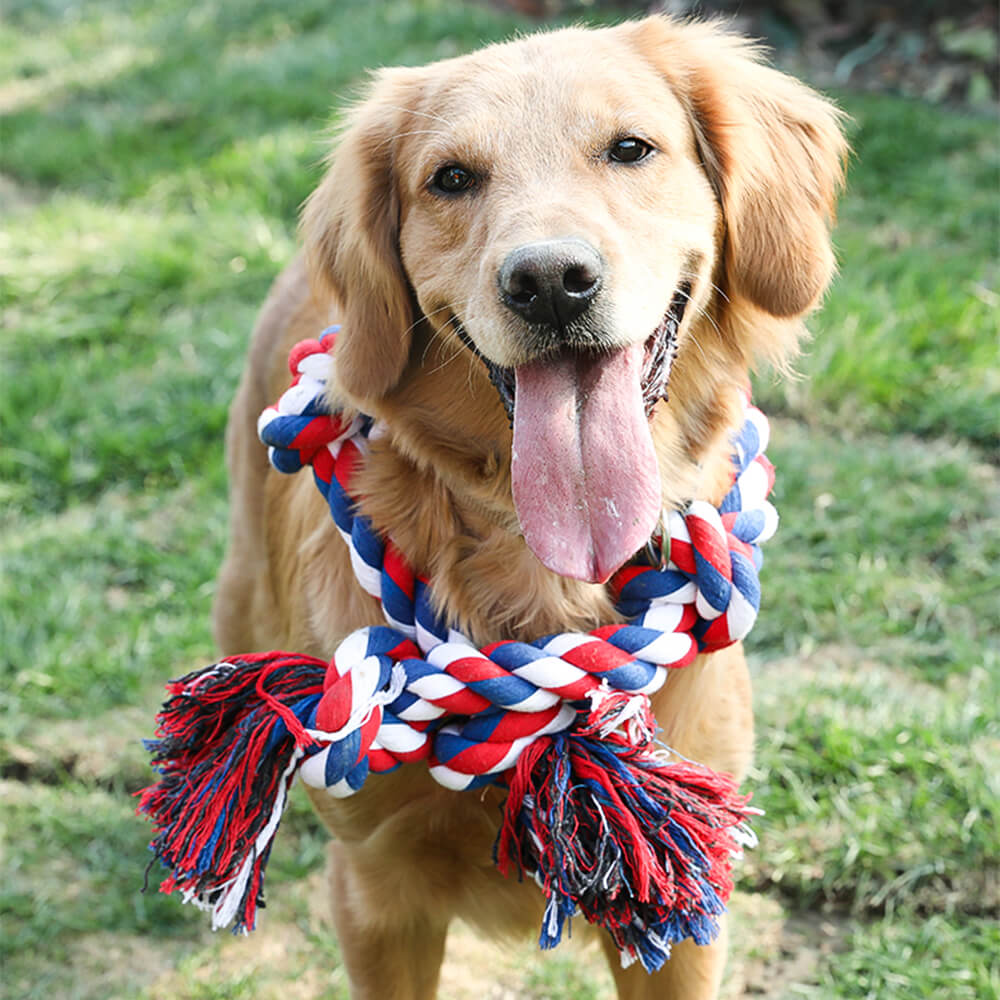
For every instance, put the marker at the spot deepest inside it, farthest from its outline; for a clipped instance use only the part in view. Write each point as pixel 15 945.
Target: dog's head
pixel 581 216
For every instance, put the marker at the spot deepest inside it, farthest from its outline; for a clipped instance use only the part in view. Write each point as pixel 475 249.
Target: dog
pixel 505 236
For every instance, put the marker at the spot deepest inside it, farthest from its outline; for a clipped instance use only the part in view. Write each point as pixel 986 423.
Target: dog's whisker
pixel 718 290
pixel 694 340
pixel 421 318
pixel 703 313
pixel 446 333
pixel 417 131
pixel 444 364
pixel 700 311
pixel 450 333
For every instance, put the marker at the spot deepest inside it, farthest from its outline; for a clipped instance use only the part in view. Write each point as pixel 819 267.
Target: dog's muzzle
pixel 660 350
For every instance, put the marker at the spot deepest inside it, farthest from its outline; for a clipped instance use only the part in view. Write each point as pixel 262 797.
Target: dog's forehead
pixel 573 84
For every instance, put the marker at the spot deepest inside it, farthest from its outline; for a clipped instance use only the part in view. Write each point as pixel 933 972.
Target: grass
pixel 152 158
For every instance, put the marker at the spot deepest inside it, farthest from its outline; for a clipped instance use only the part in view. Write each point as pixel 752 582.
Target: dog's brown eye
pixel 452 179
pixel 629 150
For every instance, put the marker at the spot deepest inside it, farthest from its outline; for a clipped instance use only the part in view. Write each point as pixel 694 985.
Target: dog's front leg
pixel 693 972
pixel 394 954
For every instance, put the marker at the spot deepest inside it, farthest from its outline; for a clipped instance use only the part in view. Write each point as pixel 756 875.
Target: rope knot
pixel 349 716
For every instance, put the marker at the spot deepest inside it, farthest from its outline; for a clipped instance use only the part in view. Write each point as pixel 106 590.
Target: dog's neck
pixel 437 481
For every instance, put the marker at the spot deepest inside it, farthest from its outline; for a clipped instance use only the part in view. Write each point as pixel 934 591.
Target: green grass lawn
pixel 152 159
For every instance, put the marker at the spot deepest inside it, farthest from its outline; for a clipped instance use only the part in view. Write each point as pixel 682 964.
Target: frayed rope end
pixel 227 748
pixel 641 848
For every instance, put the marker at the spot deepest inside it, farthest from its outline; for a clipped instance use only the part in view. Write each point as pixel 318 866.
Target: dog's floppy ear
pixel 774 152
pixel 350 229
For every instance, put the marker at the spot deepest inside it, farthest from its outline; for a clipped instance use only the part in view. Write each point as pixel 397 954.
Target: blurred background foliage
pixel 925 49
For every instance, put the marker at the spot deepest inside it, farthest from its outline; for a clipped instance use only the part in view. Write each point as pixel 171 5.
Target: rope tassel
pixel 638 846
pixel 227 748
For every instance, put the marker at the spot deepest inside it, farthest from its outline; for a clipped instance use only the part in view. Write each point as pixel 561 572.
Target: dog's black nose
pixel 551 281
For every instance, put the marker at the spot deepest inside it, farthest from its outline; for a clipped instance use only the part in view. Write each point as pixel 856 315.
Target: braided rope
pixel 703 596
pixel 638 845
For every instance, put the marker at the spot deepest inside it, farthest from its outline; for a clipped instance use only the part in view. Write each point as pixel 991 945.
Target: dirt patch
pixel 777 954
pixel 110 965
pixel 105 750
pixel 292 955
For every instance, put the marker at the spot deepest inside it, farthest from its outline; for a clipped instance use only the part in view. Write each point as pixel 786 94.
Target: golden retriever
pixel 541 207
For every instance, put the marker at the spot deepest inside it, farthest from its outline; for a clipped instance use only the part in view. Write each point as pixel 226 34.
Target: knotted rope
pixel 564 720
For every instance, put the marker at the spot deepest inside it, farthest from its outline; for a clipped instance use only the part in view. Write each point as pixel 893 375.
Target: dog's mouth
pixel 659 352
pixel 584 474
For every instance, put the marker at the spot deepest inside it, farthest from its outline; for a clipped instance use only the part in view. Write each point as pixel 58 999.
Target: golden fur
pixel 738 202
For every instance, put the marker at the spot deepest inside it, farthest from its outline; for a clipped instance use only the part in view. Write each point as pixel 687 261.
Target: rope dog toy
pixel 610 826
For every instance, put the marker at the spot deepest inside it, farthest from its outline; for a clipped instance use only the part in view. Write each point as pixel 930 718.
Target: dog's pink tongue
pixel 585 480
